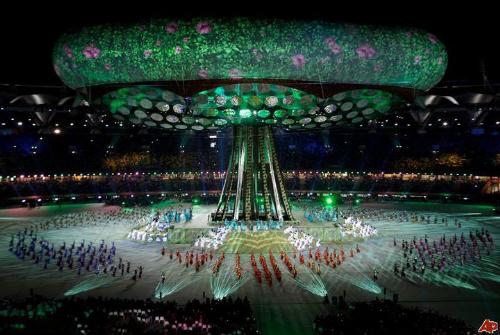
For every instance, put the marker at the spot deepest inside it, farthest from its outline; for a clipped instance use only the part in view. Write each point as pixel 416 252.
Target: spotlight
pixel 329 200
pixel 57 131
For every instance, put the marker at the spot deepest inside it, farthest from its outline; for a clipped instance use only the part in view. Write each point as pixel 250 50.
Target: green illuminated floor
pixel 469 292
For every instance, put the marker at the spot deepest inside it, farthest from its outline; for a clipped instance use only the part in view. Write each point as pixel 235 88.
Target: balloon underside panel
pixel 246 104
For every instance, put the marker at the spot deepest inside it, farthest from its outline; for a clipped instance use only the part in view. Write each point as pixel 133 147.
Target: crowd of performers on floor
pixel 354 227
pixel 154 227
pixel 105 216
pixel 364 213
pixel 99 259
pixel 196 259
pixel 213 239
pixel 299 239
pixel 313 262
pixel 315 214
pixel 257 225
pixel 444 253
pixel 313 259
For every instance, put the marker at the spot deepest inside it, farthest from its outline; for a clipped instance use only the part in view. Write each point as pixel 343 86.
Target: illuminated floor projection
pixel 360 268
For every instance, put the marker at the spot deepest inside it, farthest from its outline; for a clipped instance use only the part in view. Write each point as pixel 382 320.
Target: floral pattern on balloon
pixel 233 48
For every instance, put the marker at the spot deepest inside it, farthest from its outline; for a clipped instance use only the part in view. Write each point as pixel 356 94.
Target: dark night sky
pixel 470 33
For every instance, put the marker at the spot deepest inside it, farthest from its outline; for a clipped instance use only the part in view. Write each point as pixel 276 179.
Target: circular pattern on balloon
pixel 150 123
pixel 352 114
pixel 168 96
pixel 220 122
pixel 220 100
pixel 236 101
pixel 146 103
pixel 346 106
pixel 245 113
pixel 313 111
pixel 178 108
pixel 280 113
pixel 383 108
pixel 368 111
pixel 201 99
pixel 362 103
pixel 124 110
pixel 255 101
pixel 172 118
pixel 271 101
pixel 263 113
pixel 288 100
pixel 162 106
pixel 339 96
pixel 330 108
pixel 157 117
pixel 298 112
pixel 204 122
pixel 140 114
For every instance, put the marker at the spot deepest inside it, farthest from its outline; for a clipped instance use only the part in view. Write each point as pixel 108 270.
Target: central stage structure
pixel 254 187
pixel 207 74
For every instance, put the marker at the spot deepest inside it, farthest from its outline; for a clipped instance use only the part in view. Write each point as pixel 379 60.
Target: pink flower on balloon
pixel 203 73
pixel 178 50
pixel 147 53
pixel 332 44
pixel 172 27
pixel 158 43
pixel 235 73
pixel 377 68
pixel 68 51
pixel 417 59
pixel 185 39
pixel 203 27
pixel 409 34
pixel 365 51
pixel 91 51
pixel 433 38
pixel 298 60
pixel 107 67
pixel 440 60
pixel 336 49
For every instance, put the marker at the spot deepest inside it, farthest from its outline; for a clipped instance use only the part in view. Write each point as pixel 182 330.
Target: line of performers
pixel 86 256
pixel 445 252
pixel 190 258
pixel 332 259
